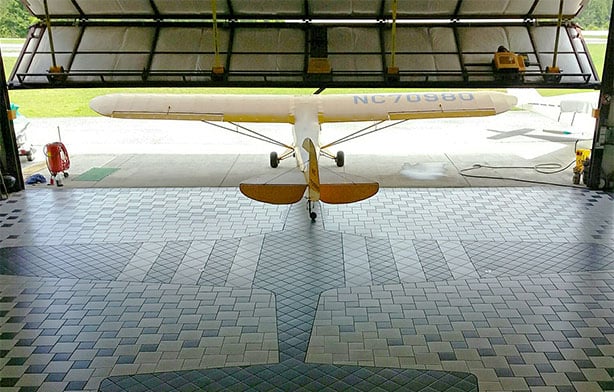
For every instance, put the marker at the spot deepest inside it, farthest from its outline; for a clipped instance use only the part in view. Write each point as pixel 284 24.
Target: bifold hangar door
pixel 288 43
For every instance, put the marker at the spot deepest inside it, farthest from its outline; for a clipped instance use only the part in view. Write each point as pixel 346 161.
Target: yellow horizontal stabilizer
pixel 342 188
pixel 347 193
pixel 289 187
pixel 274 193
pixel 278 188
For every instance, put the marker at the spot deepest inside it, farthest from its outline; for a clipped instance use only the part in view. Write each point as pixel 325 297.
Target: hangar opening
pixel 418 288
pixel 347 44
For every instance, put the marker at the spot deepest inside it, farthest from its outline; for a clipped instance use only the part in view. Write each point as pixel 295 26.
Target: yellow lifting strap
pixel 394 33
pixel 54 66
pixel 554 68
pixel 217 66
pixel 392 71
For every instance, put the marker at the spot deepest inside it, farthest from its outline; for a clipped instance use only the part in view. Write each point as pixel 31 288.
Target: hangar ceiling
pixel 287 43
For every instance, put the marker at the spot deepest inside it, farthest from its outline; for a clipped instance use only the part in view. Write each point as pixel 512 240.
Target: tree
pixel 596 15
pixel 14 19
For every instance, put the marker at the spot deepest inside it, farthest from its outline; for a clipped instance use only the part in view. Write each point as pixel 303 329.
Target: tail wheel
pixel 274 159
pixel 312 214
pixel 340 159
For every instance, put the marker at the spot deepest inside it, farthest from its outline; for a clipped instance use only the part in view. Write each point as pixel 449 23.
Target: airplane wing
pixel 230 108
pixel 411 106
pixel 280 108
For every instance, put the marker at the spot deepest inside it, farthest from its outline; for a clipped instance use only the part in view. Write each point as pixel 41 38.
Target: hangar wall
pixel 601 171
pixel 9 155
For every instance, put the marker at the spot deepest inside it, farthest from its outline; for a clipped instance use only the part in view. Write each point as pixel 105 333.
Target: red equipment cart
pixel 58 161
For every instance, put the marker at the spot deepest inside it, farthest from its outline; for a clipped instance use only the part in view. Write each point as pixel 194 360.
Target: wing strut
pixel 362 132
pixel 249 133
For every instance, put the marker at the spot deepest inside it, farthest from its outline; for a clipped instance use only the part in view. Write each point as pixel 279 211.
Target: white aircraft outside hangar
pixel 306 114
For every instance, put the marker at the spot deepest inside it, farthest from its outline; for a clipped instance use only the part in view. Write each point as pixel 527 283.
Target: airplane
pixel 306 113
pixel 555 106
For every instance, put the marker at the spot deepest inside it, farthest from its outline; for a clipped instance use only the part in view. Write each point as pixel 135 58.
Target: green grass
pixel 9 63
pixel 74 102
pixel 12 40
pixel 597 52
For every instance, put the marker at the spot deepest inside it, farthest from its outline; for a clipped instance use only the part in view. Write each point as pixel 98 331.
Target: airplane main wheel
pixel 274 160
pixel 340 159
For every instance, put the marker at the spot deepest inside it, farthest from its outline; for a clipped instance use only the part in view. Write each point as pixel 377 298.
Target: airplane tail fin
pixel 314 171
pixel 527 97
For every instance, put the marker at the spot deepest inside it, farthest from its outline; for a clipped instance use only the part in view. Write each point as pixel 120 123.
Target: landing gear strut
pixel 312 213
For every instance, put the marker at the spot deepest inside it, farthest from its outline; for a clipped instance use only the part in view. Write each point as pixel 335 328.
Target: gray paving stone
pixel 516 350
pixel 423 236
pixel 109 356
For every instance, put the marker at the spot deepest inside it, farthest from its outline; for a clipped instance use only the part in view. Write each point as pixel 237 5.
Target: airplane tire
pixel 313 216
pixel 340 159
pixel 274 160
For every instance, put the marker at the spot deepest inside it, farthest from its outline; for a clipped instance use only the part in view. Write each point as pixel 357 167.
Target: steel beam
pixel 9 154
pixel 602 153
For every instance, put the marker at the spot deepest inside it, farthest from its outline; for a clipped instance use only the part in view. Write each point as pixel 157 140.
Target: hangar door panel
pixel 266 7
pixel 125 7
pixel 301 43
pixel 36 59
pixel 572 55
pixel 192 47
pixel 172 8
pixel 307 9
pixel 277 53
pixel 353 51
pixel 426 54
pixel 504 8
pixel 56 7
pixel 344 7
pixel 124 50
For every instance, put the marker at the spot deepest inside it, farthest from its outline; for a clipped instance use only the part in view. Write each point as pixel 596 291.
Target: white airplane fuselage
pixel 306 126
